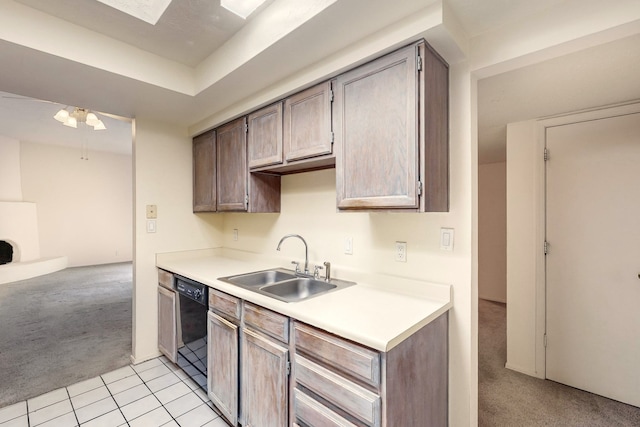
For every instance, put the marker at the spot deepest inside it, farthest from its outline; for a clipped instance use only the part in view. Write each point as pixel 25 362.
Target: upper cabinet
pixel 383 126
pixel 221 180
pixel 294 135
pixel 204 172
pixel 391 132
pixel 265 136
pixel 307 123
pixel 231 140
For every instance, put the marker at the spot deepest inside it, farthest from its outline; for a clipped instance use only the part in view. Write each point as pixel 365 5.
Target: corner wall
pixel 492 232
pixel 162 177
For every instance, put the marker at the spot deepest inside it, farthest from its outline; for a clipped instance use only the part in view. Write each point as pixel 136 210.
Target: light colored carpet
pixel 62 328
pixel 508 398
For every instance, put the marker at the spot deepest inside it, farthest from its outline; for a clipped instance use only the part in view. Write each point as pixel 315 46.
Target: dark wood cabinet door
pixel 376 132
pixel 222 369
pixel 265 136
pixel 264 381
pixel 204 172
pixel 307 123
pixel 232 175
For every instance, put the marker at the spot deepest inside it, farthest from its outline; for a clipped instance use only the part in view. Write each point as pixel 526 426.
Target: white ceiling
pixel 192 32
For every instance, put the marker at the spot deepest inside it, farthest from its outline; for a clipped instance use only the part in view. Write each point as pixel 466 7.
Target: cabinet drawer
pixel 314 413
pixel 271 323
pixel 224 303
pixel 350 397
pixel 360 362
pixel 165 279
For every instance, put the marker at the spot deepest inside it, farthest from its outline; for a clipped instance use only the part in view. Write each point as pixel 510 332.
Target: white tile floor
pixel 152 394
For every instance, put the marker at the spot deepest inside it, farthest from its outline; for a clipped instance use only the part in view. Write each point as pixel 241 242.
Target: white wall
pixel 163 177
pixel 492 231
pixel 84 207
pixel 10 184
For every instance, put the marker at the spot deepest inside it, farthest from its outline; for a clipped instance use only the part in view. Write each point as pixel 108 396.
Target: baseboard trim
pixel 135 361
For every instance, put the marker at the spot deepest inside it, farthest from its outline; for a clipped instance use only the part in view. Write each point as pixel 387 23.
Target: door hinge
pixel 545 340
pixel 330 95
pixel 546 247
pixel 246 201
pixel 246 128
pixel 419 188
pixel 419 63
pixel 333 138
pixel 288 368
pixel 546 154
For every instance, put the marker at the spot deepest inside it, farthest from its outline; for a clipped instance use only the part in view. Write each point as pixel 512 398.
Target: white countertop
pixel 379 311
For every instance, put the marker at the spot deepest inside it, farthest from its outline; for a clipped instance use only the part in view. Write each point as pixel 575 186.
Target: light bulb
pixel 61 115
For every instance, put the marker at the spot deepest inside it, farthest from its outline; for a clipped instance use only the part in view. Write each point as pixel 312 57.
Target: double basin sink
pixel 285 285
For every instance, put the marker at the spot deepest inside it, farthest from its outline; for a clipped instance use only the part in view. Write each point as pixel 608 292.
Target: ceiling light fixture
pixel 79 115
pixel 242 8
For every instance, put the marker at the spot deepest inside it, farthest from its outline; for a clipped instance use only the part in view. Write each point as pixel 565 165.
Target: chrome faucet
pixel 306 251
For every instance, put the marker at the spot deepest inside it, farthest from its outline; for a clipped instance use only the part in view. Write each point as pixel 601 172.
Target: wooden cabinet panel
pixel 353 359
pixel 165 279
pixel 167 326
pixel 222 376
pixel 204 172
pixel 376 127
pixel 391 132
pixel 266 321
pixel 264 381
pixel 226 304
pixel 307 123
pixel 352 398
pixel 265 136
pixel 313 413
pixel 232 174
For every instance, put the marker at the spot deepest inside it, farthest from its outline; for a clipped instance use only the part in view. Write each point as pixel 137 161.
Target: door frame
pixel 540 215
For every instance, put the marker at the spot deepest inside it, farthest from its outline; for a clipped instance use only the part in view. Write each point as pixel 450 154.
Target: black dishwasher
pixel 192 329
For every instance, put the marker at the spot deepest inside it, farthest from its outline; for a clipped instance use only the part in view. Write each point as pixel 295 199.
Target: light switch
pixel 446 239
pixel 151 226
pixel 152 212
pixel 348 246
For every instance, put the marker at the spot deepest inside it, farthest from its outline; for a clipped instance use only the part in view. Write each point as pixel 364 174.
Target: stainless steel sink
pixel 285 285
pixel 260 278
pixel 298 289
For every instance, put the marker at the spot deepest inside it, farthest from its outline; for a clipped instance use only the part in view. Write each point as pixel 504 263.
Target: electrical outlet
pixel 348 246
pixel 401 251
pixel 235 234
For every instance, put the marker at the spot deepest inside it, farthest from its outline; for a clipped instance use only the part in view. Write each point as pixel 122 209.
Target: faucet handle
pixel 327 276
pixel 297 266
pixel 316 269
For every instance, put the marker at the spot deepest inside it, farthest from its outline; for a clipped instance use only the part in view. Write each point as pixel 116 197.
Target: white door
pixel 593 264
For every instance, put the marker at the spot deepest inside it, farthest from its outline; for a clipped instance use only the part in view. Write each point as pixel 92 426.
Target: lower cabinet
pixel 264 381
pixel 222 372
pixel 267 370
pixel 167 316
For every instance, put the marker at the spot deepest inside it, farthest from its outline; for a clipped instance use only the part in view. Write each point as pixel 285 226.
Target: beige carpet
pixel 62 328
pixel 508 398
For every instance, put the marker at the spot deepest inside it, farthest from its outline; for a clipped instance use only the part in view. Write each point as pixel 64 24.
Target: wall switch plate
pixel 401 251
pixel 348 246
pixel 151 226
pixel 446 239
pixel 235 234
pixel 152 212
